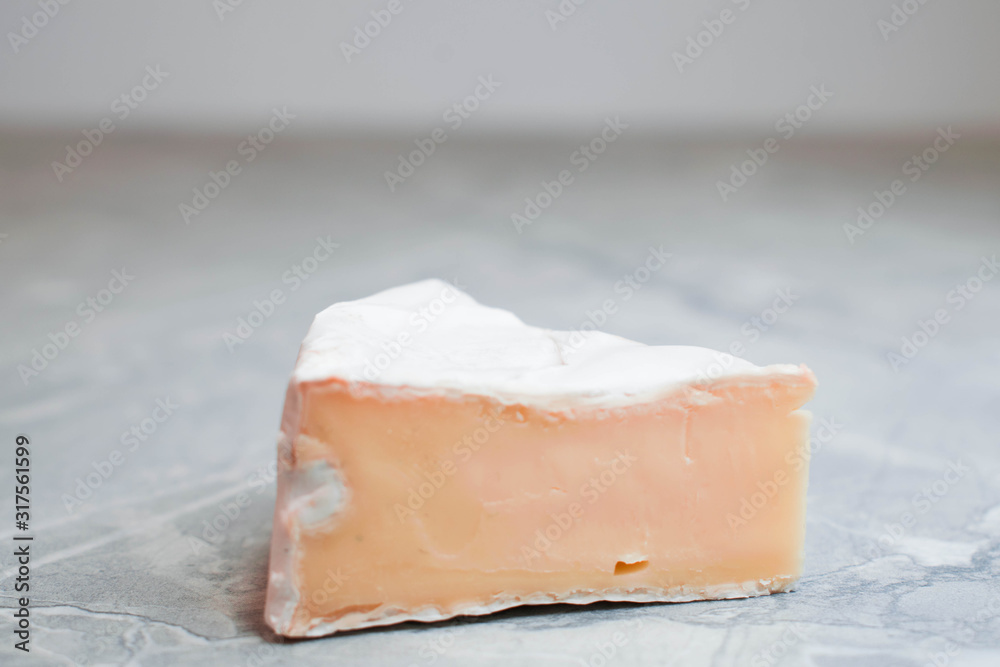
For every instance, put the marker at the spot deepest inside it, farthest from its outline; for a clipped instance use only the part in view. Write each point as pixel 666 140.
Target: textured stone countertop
pixel 123 571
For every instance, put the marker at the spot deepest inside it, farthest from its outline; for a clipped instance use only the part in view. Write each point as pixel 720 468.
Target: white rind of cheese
pixel 429 337
pixel 310 498
pixel 431 613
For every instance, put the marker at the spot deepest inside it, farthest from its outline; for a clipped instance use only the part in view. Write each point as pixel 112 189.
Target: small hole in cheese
pixel 621 567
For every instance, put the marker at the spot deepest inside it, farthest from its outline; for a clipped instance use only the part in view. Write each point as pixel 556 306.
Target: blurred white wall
pixel 606 58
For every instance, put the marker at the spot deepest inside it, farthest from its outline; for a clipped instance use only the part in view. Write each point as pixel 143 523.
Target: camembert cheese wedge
pixel 438 457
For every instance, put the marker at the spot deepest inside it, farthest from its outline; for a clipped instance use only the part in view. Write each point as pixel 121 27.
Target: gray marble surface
pixel 123 572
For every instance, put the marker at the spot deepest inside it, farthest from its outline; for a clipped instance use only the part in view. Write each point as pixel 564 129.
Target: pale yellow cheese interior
pixel 460 504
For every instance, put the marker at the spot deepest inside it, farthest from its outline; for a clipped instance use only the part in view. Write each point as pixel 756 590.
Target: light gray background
pixel 606 58
pixel 119 580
